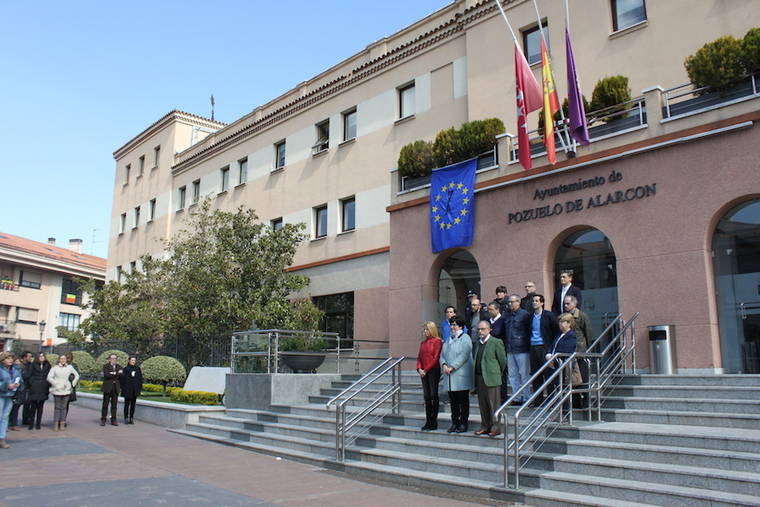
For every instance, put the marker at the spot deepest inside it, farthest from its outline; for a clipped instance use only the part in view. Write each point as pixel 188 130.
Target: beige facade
pixel 459 61
pixel 37 285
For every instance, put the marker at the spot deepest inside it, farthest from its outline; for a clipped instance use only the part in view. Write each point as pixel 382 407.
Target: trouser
pixel 13 417
pixel 460 407
pixel 488 402
pixel 537 360
pixel 6 404
pixel 112 398
pixel 25 417
pixel 519 373
pixel 580 400
pixel 59 412
pixel 129 407
pixel 35 412
pixel 430 393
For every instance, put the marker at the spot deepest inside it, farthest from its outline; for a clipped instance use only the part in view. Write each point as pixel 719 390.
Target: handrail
pixel 342 424
pixel 618 354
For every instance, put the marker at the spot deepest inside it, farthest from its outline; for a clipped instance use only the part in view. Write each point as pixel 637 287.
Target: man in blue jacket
pixel 517 323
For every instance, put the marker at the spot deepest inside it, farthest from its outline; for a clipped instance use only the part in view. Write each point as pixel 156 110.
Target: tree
pixel 164 370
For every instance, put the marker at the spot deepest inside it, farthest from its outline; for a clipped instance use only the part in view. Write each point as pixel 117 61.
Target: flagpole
pixel 567 26
pixel 504 15
pixel 561 113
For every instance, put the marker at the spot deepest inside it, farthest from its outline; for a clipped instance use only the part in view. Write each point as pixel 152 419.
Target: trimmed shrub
pixel 163 370
pixel 446 147
pixel 477 137
pixel 416 159
pixel 88 384
pixel 750 54
pixel 610 91
pixel 197 397
pixel 153 388
pixel 85 363
pixel 717 64
pixel 52 358
pixel 121 357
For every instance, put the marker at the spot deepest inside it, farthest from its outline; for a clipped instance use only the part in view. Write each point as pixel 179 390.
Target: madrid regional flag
pixel 452 205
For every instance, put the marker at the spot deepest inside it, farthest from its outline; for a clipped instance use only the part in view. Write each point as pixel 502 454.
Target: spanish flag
pixel 71 299
pixel 551 103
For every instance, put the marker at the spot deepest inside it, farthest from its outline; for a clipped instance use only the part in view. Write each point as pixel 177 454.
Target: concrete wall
pixel 260 390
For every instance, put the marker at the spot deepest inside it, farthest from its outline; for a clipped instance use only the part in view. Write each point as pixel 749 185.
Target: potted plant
pixel 307 352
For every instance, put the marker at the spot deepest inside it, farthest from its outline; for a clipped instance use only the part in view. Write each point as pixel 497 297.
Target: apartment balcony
pixel 672 115
pixel 7 328
pixel 8 285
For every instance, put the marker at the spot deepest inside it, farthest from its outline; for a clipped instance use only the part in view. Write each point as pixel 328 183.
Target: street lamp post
pixel 41 324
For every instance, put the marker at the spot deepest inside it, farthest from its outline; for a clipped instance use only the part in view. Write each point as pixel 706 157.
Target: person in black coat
pixel 566 288
pixel 131 387
pixel 544 328
pixel 39 388
pixel 563 344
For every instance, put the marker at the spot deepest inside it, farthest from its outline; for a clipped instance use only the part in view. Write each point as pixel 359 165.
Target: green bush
pixel 121 358
pixel 416 159
pixel 446 147
pixel 164 370
pixel 470 140
pixel 303 343
pixel 750 52
pixel 153 388
pixel 197 397
pixel 557 117
pixel 610 91
pixel 87 384
pixel 52 358
pixel 85 363
pixel 717 64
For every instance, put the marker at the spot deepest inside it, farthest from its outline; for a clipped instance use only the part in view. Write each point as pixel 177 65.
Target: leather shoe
pixel 494 433
pixel 452 428
pixel 460 429
pixel 102 422
pixel 481 432
pixel 114 423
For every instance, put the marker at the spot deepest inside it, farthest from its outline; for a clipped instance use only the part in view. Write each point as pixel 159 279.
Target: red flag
pixel 551 103
pixel 529 98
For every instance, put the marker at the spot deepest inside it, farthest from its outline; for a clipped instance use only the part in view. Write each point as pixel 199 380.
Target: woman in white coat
pixel 62 379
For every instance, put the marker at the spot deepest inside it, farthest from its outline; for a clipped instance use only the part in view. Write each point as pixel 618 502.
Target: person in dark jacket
pixel 23 363
pixel 563 344
pixel 10 381
pixel 131 387
pixel 429 370
pixel 517 336
pixel 566 288
pixel 544 328
pixel 38 389
pixel 112 373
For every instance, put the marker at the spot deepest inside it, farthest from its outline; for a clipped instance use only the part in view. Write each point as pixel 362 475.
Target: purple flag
pixel 578 125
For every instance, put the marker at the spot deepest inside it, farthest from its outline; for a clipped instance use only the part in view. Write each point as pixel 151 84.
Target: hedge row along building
pixel 669 227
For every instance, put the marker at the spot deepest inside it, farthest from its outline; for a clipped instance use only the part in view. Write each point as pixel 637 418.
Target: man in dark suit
pixel 490 360
pixel 543 330
pixel 526 303
pixel 566 288
pixel 497 320
pixel 112 373
pixel 476 313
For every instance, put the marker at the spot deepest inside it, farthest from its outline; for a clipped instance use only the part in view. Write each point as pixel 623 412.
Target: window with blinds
pixel 26 315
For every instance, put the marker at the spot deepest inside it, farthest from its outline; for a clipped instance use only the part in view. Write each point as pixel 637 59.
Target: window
pixel 532 43
pixel 69 320
pixel 323 137
pixel 122 223
pixel 279 155
pixel 133 267
pixel 119 273
pixel 242 170
pixel 181 198
pixel 348 214
pixel 152 210
pixel 406 106
pixel 349 125
pixel 320 221
pixel 30 279
pixel 71 293
pixel 276 224
pixel 127 169
pixel 225 177
pixel 156 155
pixel 627 13
pixel 137 217
pixel 141 165
pixel 196 191
pixel 26 315
pixel 338 316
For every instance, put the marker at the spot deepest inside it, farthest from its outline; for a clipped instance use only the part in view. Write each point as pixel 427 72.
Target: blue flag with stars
pixel 452 205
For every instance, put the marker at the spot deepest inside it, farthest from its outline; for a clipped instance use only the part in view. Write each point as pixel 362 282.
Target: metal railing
pixel 747 88
pixel 345 422
pixel 616 356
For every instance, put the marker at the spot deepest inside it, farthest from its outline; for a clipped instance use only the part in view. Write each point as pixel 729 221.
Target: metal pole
pixel 517 454
pixel 633 334
pixel 570 387
pixel 504 423
pixel 598 390
pixel 337 432
pixel 338 369
pixel 504 15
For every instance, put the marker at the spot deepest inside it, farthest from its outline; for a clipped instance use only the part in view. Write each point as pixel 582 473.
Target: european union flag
pixel 452 205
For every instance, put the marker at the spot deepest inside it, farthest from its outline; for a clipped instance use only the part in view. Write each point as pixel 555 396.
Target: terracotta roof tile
pixel 50 251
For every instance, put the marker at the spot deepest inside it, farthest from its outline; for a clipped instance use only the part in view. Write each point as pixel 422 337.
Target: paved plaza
pixel 143 464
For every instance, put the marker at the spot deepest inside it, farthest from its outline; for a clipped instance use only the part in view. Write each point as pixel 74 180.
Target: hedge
pixel 610 91
pixel 164 370
pixel 85 362
pixel 121 358
pixel 52 358
pixel 197 397
pixel 88 384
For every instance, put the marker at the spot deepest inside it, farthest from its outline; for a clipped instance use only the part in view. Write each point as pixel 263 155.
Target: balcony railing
pixel 685 100
pixel 8 285
pixel 7 327
pixel 487 160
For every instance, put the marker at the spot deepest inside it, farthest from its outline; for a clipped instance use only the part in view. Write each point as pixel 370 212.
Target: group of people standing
pixel 512 338
pixel 27 382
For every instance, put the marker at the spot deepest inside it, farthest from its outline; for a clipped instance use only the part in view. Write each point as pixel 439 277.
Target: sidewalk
pixel 143 464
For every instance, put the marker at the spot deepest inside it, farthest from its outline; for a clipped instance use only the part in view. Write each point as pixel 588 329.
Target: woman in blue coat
pixel 10 382
pixel 457 368
pixel 563 344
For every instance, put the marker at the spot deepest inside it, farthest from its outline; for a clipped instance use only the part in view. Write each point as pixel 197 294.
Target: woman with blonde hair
pixel 10 381
pixel 62 379
pixel 430 372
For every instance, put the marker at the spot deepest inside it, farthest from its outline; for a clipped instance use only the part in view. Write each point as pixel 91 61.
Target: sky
pixel 78 79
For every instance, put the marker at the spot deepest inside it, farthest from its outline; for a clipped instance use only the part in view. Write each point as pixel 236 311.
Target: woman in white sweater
pixel 62 379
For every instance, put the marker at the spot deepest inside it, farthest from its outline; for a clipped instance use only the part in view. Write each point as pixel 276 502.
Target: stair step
pixel 693 392
pixel 745 421
pixel 693 380
pixel 721 406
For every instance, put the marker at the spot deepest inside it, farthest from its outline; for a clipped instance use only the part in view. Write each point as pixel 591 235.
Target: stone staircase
pixel 664 440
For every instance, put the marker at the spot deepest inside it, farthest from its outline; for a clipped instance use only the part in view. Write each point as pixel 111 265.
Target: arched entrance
pixel 590 255
pixel 458 276
pixel 736 254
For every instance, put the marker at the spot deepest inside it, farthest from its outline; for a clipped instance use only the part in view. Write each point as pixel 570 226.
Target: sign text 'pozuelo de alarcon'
pixel 576 205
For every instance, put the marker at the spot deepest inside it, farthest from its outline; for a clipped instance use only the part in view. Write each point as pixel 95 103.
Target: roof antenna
pixel 212 107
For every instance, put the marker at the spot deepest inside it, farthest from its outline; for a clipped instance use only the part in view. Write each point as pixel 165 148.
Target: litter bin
pixel 662 349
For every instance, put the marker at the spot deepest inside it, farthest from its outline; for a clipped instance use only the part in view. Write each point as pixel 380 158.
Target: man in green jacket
pixel 490 360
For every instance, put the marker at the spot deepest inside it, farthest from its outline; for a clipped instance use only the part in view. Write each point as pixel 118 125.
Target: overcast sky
pixel 80 78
